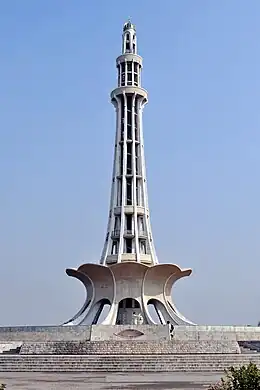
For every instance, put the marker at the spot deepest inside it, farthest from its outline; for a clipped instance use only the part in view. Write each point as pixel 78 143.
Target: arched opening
pixel 127 43
pixel 103 309
pixel 154 309
pixel 127 309
pixel 129 303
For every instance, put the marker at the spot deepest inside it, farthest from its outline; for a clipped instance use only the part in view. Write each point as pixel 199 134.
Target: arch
pixel 153 312
pixel 129 303
pixel 101 311
pixel 160 313
pixel 127 310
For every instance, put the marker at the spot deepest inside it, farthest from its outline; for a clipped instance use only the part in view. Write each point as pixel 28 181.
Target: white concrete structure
pixel 129 235
pixel 129 277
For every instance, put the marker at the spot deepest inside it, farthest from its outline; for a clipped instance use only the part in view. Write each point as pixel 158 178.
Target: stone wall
pixel 84 333
pixel 238 333
pixel 131 332
pixel 44 333
pixel 127 332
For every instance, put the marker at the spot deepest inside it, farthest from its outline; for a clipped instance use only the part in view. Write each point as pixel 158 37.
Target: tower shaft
pixel 129 235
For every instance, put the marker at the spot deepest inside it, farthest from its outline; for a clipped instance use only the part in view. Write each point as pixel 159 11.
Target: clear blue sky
pixel 202 140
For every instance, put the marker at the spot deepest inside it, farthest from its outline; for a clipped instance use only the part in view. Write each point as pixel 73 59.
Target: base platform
pixel 123 348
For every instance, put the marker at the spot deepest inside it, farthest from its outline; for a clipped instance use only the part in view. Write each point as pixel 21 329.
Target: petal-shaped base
pixel 128 288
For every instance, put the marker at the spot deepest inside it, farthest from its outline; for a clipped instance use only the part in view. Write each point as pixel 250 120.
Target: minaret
pixel 128 279
pixel 129 235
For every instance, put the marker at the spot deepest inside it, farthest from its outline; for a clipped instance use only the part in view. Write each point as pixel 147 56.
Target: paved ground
pixel 97 381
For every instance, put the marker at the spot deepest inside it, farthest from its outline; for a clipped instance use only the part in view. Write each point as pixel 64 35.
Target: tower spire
pixel 129 235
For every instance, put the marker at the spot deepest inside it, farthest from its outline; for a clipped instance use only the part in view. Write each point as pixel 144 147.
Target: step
pixel 166 363
pixel 137 358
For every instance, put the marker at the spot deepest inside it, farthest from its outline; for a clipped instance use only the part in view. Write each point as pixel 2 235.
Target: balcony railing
pixel 116 233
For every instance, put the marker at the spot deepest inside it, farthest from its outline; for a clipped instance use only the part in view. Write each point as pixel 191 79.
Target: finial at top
pixel 129 25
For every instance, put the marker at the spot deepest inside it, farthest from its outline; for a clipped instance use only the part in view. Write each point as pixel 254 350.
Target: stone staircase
pixel 129 347
pixel 124 363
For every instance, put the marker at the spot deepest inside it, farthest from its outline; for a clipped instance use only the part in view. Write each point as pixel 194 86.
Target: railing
pixel 116 233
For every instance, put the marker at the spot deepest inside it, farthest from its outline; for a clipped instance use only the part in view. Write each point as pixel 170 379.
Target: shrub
pixel 242 378
pixel 2 387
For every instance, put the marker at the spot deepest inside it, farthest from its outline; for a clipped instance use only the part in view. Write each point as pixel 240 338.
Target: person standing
pixel 135 319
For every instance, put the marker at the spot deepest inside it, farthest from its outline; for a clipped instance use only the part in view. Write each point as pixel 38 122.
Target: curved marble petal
pixel 157 286
pixel 129 279
pixel 168 297
pixel 103 288
pixel 80 315
pixel 102 279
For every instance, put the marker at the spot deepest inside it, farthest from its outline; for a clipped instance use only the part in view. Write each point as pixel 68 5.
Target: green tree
pixel 2 387
pixel 242 378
